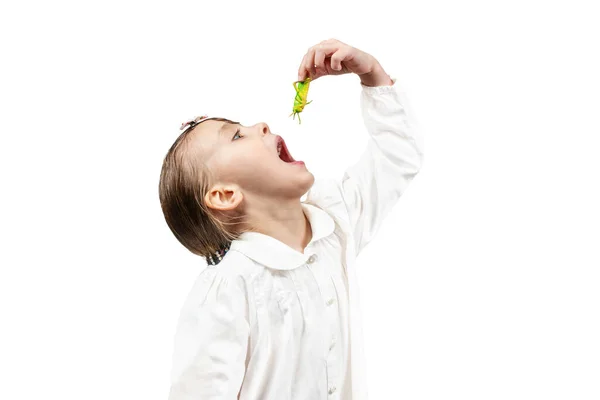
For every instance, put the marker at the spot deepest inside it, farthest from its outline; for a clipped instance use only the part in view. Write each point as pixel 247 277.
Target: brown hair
pixel 184 181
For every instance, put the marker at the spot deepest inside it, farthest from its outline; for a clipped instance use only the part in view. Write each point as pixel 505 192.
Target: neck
pixel 282 220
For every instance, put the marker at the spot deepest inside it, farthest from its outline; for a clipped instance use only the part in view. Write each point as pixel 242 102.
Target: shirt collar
pixel 275 254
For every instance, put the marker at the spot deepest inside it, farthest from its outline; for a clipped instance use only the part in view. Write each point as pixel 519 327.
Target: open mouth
pixel 282 151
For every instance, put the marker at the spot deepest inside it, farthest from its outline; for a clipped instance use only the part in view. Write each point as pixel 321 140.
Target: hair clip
pixel 218 255
pixel 193 122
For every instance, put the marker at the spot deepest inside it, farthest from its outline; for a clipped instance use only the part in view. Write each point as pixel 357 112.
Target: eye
pixel 237 133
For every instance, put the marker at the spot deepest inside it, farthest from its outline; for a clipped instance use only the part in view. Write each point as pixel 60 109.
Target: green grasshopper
pixel 301 88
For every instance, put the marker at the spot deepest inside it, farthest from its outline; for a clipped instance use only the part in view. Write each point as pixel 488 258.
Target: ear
pixel 223 198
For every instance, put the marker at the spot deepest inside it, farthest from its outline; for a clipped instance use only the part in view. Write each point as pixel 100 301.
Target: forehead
pixel 211 131
pixel 217 127
pixel 208 134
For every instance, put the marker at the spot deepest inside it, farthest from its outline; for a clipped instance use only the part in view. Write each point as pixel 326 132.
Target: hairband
pixel 193 122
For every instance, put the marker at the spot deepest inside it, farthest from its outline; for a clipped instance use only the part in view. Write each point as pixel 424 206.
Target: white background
pixel 483 282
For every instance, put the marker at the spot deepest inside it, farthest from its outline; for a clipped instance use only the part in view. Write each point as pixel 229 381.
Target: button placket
pixel 328 292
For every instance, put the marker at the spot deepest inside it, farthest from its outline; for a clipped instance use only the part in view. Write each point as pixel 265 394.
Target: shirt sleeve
pixel 211 341
pixel 394 154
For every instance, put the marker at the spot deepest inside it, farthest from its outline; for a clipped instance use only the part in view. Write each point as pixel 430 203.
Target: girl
pixel 276 316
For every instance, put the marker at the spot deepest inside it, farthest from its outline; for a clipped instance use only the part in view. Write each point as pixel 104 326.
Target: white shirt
pixel 271 323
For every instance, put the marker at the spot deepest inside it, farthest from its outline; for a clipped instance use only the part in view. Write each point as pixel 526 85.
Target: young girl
pixel 275 315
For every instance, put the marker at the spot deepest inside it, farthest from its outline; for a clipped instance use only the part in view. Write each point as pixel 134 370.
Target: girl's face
pixel 247 157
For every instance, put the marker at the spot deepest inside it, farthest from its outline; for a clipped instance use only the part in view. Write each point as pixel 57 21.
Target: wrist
pixel 376 77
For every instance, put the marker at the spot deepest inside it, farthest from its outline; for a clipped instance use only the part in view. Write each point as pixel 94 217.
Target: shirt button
pixel 312 258
pixel 331 390
pixel 330 301
pixel 332 344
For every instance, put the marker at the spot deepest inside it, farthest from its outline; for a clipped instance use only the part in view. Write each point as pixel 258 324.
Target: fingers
pixel 301 69
pixel 307 68
pixel 319 59
pixel 338 57
pixel 307 64
pixel 302 72
pixel 324 51
pixel 313 62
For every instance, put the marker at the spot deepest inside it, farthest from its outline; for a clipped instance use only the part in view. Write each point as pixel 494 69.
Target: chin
pixel 306 184
pixel 296 185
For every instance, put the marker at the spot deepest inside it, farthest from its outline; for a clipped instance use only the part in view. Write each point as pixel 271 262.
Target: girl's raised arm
pixel 394 154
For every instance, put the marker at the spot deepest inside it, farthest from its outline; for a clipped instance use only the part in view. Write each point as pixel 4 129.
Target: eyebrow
pixel 222 129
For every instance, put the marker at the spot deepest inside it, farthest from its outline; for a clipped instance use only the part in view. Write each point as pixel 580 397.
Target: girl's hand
pixel 332 57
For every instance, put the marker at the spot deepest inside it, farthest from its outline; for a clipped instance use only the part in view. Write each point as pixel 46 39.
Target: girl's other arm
pixel 211 341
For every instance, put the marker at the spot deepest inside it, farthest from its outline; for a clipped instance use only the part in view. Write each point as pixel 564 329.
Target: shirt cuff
pixel 379 89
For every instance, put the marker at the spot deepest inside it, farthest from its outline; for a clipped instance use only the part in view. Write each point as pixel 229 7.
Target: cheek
pixel 246 164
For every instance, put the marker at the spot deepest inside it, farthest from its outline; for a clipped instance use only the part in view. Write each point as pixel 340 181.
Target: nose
pixel 263 128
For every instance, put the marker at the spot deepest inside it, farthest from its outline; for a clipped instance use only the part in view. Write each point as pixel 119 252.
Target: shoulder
pixel 235 268
pixel 230 277
pixel 219 291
